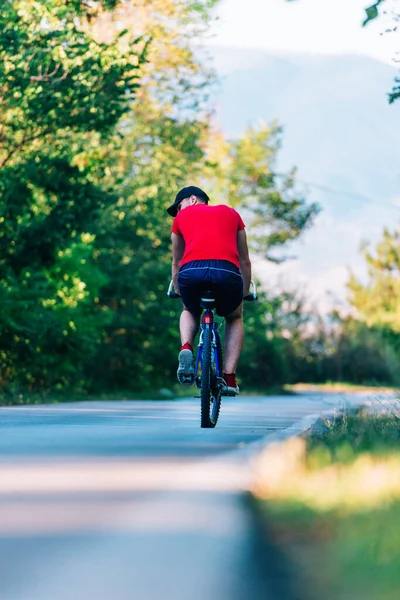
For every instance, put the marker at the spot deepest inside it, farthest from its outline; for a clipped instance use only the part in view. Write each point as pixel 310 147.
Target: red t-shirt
pixel 209 232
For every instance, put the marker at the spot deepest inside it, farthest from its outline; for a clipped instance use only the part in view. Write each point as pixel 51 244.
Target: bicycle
pixel 208 366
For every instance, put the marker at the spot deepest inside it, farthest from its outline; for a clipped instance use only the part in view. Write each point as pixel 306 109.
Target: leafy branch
pixel 372 12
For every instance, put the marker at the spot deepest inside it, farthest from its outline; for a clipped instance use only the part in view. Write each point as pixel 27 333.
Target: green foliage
pixel 395 94
pixel 62 92
pixel 57 81
pixel 347 351
pixel 365 355
pixel 377 302
pixel 88 6
pixel 46 202
pixel 278 214
pixel 363 348
pixel 372 11
pixel 201 7
pixel 355 435
pixel 263 362
pixel 133 250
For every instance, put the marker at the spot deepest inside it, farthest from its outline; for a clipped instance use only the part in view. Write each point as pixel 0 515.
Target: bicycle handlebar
pixel 171 293
pixel 249 298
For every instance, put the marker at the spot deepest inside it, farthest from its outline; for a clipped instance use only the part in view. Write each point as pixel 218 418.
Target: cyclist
pixel 209 251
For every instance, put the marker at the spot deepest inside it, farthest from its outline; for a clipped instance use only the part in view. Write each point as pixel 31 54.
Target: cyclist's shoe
pixel 228 386
pixel 185 371
pixel 227 390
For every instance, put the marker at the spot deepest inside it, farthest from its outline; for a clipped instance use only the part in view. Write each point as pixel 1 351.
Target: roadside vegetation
pixel 332 503
pixel 107 112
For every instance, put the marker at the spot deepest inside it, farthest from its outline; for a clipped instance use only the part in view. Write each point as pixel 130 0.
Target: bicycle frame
pixel 207 322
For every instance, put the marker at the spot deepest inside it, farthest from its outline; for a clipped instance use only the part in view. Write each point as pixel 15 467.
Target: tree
pixel 56 81
pixel 176 79
pixel 61 92
pixel 378 301
pixel 370 339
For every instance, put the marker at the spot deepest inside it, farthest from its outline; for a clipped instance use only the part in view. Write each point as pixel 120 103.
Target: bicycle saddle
pixel 208 297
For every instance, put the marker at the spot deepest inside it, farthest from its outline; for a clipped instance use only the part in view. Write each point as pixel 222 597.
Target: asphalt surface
pixel 132 500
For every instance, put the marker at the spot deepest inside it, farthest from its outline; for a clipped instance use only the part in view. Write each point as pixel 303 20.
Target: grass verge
pixel 333 504
pixel 338 387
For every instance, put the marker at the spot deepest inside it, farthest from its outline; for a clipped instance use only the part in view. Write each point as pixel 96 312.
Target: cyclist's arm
pixel 244 260
pixel 178 249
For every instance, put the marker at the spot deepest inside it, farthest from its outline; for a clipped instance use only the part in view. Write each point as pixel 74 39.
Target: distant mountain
pixel 334 110
pixel 339 130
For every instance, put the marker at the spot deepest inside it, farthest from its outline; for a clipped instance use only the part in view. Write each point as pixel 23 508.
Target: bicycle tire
pixel 209 393
pixel 216 389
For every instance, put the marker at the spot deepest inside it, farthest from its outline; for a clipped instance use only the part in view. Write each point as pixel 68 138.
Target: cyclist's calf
pixel 189 325
pixel 234 336
pixel 237 314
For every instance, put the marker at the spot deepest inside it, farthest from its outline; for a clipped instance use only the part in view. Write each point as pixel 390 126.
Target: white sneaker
pixel 185 372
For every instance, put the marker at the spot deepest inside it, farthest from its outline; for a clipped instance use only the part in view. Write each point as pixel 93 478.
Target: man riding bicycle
pixel 209 251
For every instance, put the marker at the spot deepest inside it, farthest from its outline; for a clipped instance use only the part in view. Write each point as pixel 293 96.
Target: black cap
pixel 186 192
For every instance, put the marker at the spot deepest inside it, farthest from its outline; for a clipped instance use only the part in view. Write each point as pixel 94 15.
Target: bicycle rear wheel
pixel 209 393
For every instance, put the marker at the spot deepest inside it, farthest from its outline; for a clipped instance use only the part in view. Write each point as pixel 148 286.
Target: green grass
pixel 377 434
pixel 340 556
pixel 335 509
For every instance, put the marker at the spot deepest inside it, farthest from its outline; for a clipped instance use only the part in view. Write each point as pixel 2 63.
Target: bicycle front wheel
pixel 210 396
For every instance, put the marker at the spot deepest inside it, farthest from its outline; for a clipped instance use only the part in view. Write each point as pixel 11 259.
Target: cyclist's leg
pixel 188 325
pixel 234 336
pixel 189 280
pixel 229 285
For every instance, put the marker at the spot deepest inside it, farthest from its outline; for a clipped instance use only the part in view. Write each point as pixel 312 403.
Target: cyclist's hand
pixel 176 286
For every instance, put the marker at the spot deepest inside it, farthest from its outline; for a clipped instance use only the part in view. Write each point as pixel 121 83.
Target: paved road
pixel 132 500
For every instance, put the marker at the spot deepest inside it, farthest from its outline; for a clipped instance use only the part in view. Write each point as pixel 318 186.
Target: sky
pixel 315 26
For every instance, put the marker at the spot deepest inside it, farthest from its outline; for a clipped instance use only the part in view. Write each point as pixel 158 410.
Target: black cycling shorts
pixel 219 276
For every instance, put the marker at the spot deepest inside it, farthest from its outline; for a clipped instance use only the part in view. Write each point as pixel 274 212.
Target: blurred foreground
pixel 332 502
